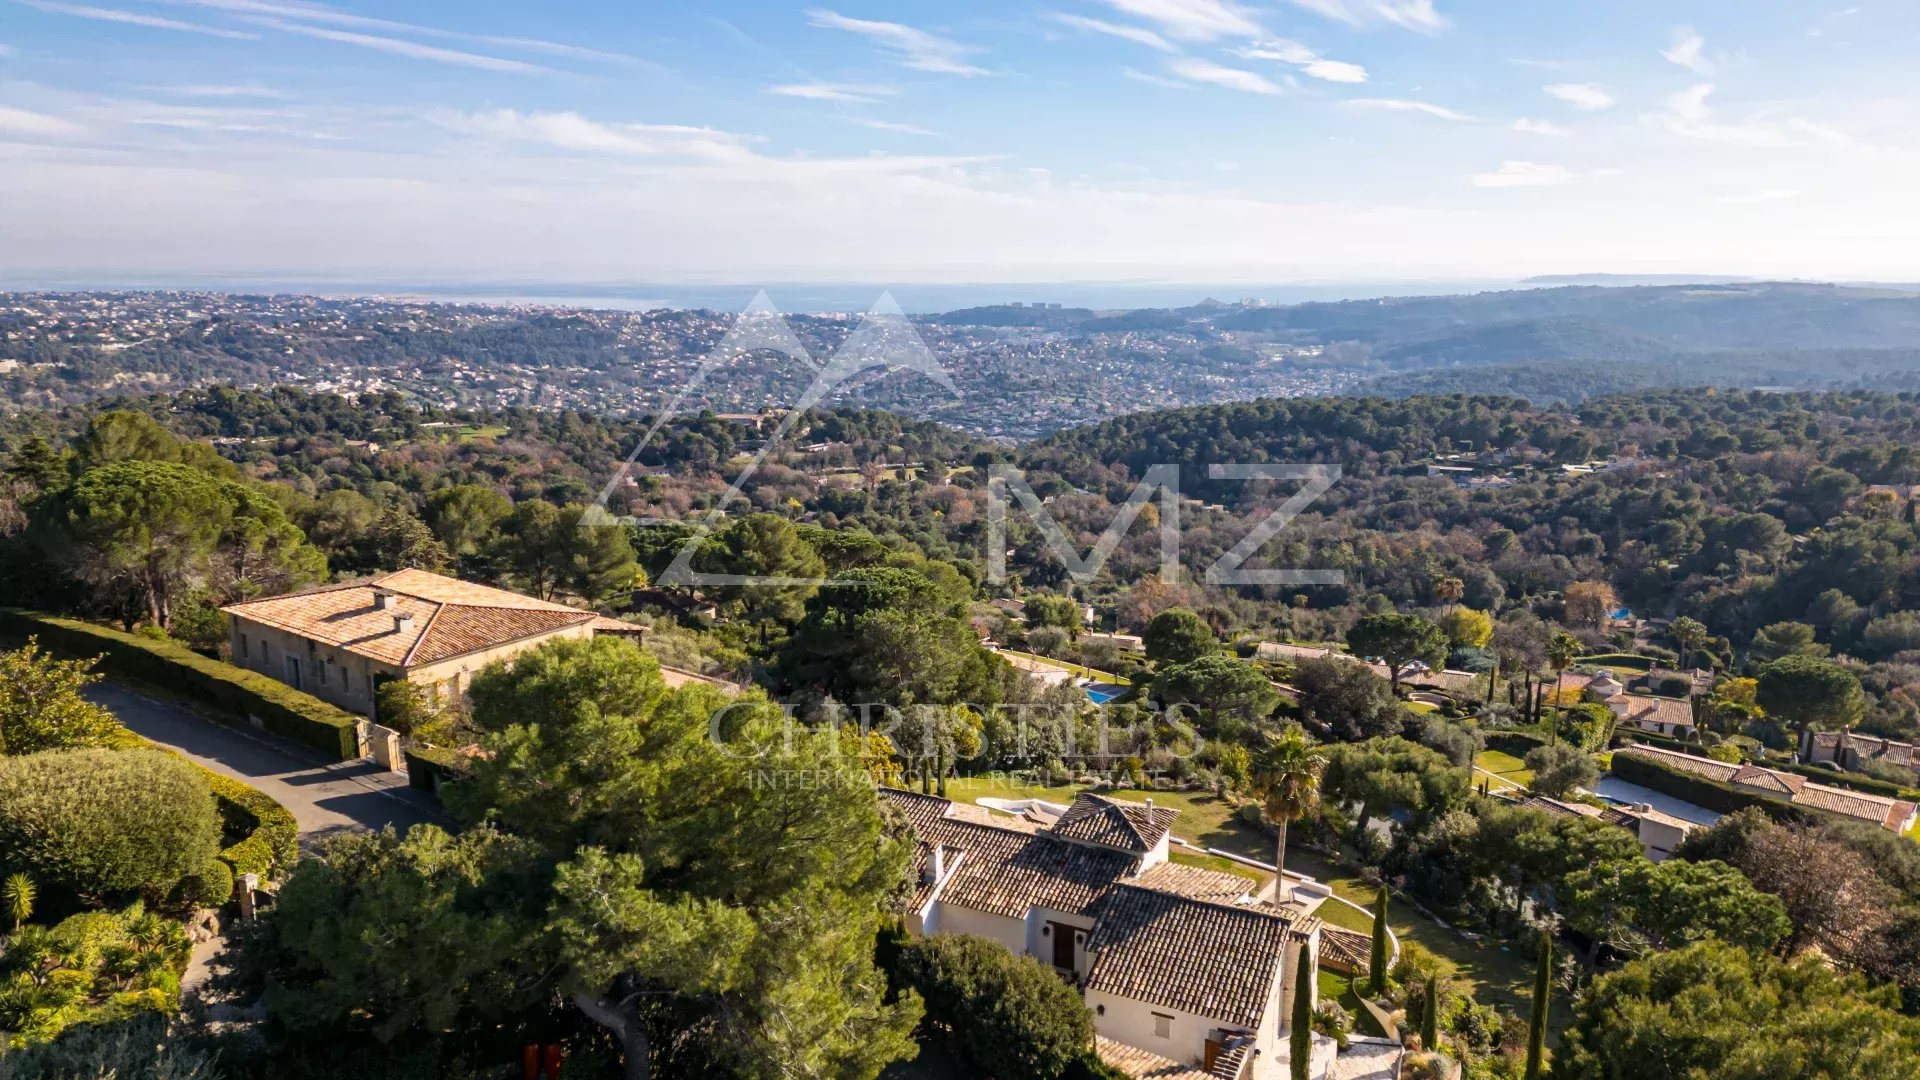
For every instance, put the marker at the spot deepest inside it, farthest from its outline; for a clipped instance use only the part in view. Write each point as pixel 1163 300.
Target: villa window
pixel 243 647
pixel 1163 1025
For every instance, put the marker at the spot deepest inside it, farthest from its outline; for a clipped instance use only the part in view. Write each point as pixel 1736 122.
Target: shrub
pixel 1559 769
pixel 148 1045
pixel 269 837
pixel 42 706
pixel 235 693
pixel 105 822
pixel 209 886
pixel 1015 1018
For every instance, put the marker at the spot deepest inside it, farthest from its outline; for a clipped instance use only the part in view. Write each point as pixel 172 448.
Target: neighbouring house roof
pixel 1129 826
pixel 1648 709
pixel 1798 790
pixel 1143 1064
pixel 1868 747
pixel 1215 960
pixel 1345 950
pixel 449 617
pixel 1195 882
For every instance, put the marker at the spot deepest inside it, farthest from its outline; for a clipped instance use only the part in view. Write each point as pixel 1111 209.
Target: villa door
pixel 293 672
pixel 1063 951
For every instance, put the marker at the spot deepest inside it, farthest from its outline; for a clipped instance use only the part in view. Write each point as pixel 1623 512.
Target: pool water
pixel 1101 693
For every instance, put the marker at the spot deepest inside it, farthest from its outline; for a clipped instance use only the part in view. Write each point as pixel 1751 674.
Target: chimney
pixel 938 867
pixel 403 624
pixel 382 600
pixel 1149 806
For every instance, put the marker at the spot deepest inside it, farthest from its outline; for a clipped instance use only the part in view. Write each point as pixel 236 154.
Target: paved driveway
pixel 325 797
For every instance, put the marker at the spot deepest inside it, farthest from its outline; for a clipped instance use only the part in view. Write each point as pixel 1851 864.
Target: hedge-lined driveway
pixel 324 797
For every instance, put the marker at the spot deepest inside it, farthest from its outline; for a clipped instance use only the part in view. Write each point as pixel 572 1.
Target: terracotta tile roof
pixel 448 617
pixel 1643 708
pixel 1143 1064
pixel 1128 826
pixel 1774 783
pixel 1798 790
pixel 1219 961
pixel 1345 950
pixel 1195 882
pixel 1007 871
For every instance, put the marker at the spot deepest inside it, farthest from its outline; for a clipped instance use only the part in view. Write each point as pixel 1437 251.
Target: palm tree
pixel 1287 776
pixel 1561 652
pixel 18 894
pixel 1689 634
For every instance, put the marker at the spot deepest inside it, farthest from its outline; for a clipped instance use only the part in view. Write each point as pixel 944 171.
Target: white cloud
pixel 891 125
pixel 571 131
pixel 1193 20
pixel 411 49
pixel 1206 71
pixel 306 11
pixel 1309 62
pixel 134 18
pixel 1525 174
pixel 1529 126
pixel 1689 51
pixel 1587 97
pixel 216 90
pixel 1411 14
pixel 1773 195
pixel 1138 35
pixel 21 123
pixel 915 48
pixel 843 92
pixel 1405 105
pixel 1154 80
pixel 1689 115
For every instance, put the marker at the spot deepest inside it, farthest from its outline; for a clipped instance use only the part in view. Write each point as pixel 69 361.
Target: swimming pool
pixel 1101 693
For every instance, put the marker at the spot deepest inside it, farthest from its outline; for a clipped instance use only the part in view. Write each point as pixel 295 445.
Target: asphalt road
pixel 325 797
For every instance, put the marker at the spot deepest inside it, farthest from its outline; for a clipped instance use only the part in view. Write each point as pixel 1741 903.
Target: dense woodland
pixel 596 896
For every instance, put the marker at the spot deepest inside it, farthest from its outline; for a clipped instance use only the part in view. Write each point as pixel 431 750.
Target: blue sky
pixel 1086 139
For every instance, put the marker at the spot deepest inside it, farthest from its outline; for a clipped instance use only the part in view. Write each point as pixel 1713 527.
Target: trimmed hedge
pixel 1517 743
pixel 1631 661
pixel 428 767
pixel 272 842
pixel 1635 735
pixel 1700 791
pixel 235 693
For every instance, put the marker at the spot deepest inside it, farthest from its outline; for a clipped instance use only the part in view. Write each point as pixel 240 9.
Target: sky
pixel 978 141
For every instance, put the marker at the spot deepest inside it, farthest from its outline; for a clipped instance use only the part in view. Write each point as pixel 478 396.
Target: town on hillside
pixel 794 778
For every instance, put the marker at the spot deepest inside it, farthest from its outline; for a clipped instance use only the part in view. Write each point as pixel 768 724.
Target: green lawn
pixel 1505 767
pixel 490 431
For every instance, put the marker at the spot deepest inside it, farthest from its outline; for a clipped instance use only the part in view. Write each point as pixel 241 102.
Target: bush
pixel 145 1047
pixel 234 693
pixel 269 841
pixel 1517 743
pixel 1625 661
pixel 209 886
pixel 1559 769
pixel 430 767
pixel 105 822
pixel 1015 1018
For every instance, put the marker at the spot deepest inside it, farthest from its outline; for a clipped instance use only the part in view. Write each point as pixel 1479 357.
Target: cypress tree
pixel 1300 1039
pixel 1537 1028
pixel 1430 1017
pixel 1377 960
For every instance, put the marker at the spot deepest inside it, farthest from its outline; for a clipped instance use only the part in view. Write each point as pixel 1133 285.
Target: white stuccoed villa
pixel 1188 976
